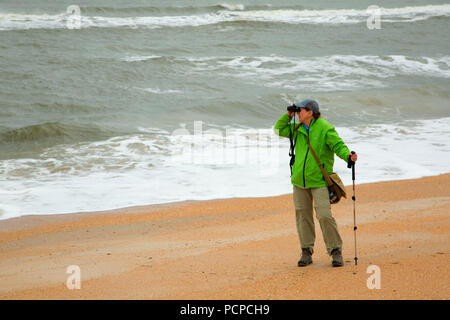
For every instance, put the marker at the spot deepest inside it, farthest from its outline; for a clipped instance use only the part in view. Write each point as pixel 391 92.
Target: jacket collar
pixel 302 129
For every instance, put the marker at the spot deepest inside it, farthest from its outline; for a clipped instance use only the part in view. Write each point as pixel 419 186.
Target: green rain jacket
pixel 324 140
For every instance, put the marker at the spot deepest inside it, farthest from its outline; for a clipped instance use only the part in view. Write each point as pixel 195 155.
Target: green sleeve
pixel 282 127
pixel 337 145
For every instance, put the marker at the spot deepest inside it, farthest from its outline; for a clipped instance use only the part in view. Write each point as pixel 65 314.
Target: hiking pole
pixel 351 164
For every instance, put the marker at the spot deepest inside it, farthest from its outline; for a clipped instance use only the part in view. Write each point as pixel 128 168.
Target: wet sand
pixel 235 249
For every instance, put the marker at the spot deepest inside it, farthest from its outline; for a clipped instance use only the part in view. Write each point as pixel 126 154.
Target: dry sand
pixel 235 249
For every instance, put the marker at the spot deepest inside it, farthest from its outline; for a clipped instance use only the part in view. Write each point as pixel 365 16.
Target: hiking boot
pixel 337 258
pixel 305 259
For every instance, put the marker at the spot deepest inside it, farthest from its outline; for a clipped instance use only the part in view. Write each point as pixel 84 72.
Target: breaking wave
pixel 223 13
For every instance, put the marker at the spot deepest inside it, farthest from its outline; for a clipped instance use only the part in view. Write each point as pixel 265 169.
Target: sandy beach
pixel 235 249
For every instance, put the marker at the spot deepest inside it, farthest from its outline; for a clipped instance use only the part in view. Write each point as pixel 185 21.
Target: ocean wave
pixel 160 91
pixel 324 73
pixel 140 58
pixel 140 10
pixel 225 15
pixel 81 158
pixel 344 16
pixel 50 130
pixel 228 6
pixel 133 170
pixel 336 72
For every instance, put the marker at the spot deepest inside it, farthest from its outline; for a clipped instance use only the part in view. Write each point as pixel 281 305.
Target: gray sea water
pixel 90 103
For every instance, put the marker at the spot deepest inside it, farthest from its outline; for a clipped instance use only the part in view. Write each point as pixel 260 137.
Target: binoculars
pixel 293 108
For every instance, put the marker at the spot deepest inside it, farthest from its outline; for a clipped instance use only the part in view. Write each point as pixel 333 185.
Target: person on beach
pixel 309 185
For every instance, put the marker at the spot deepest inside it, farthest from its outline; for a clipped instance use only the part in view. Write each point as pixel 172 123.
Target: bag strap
pixel 325 174
pixel 293 142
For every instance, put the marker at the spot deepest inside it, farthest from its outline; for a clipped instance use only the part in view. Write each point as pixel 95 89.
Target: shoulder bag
pixel 334 183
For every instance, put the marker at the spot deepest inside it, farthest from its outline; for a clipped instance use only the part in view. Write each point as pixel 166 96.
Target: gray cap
pixel 308 103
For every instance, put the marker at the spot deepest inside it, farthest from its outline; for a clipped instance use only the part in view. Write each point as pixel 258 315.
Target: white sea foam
pixel 24 22
pixel 152 167
pixel 336 72
pixel 12 21
pixel 230 13
pixel 392 152
pixel 160 91
pixel 140 58
pixel 345 16
pixel 231 6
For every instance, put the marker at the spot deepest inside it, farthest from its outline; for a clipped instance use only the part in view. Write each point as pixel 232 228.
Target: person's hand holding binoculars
pixel 290 113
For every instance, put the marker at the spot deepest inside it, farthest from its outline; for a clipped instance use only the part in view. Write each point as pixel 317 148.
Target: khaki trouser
pixel 303 202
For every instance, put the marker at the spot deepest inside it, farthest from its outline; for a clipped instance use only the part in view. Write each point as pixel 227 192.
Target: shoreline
pixel 236 248
pixel 44 217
